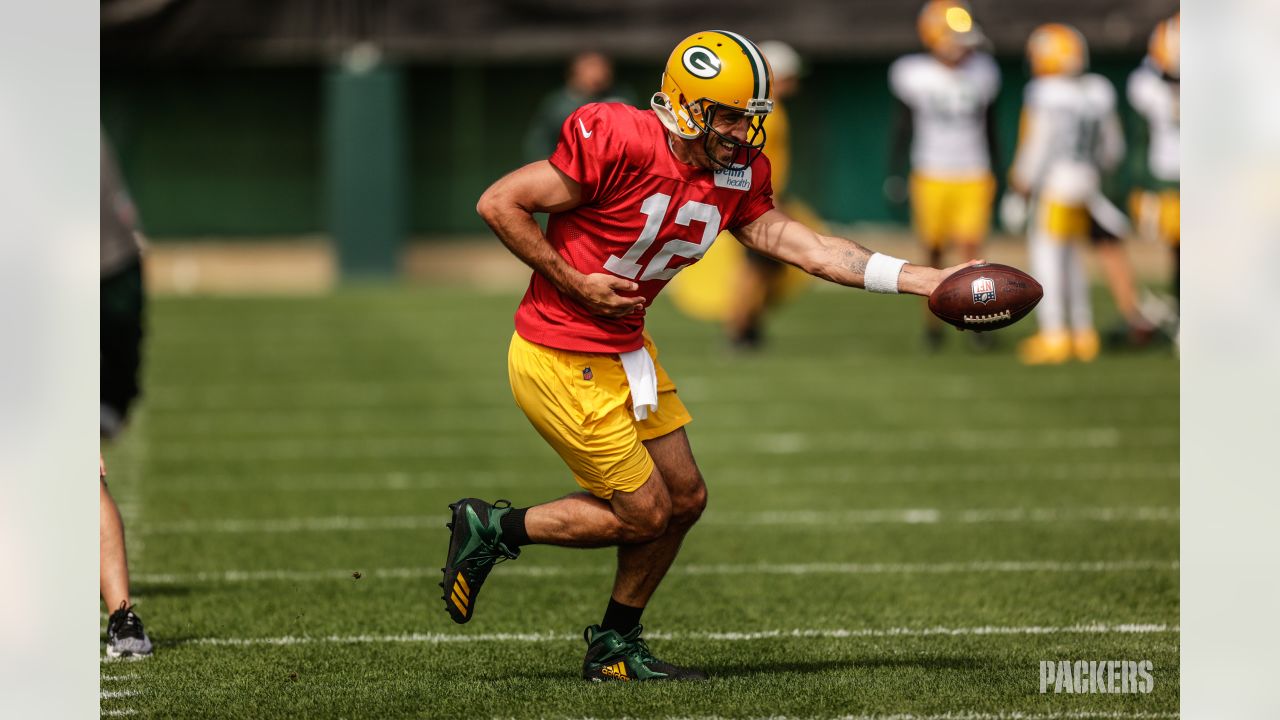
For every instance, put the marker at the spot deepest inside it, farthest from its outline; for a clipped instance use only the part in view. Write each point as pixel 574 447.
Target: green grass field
pixel 889 533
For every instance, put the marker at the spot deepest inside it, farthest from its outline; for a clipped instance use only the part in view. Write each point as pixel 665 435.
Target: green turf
pixel 311 439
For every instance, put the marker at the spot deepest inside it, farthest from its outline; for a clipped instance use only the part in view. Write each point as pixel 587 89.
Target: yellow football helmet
pixel 1056 49
pixel 947 28
pixel 713 71
pixel 1163 49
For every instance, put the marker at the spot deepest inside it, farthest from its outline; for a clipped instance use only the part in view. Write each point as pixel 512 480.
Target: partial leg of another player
pixel 126 636
pixel 1084 338
pixel 931 223
pixel 1048 256
pixel 932 325
pixel 746 316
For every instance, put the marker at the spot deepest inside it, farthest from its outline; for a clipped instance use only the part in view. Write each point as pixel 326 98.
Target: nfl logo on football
pixel 984 290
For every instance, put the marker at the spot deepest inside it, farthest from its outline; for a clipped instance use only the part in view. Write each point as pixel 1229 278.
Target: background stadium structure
pixel 224 112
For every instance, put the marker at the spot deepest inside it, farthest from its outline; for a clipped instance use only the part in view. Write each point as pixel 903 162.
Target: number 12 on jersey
pixel 654 208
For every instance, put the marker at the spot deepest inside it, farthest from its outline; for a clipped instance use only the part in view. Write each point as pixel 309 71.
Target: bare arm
pixel 508 207
pixel 835 259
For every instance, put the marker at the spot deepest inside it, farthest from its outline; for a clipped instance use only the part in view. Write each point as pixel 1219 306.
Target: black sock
pixel 619 617
pixel 512 525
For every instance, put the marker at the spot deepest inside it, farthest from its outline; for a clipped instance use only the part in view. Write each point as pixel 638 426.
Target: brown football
pixel 985 297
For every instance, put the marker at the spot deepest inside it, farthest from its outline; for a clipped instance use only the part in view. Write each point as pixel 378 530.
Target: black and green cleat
pixel 613 656
pixel 475 546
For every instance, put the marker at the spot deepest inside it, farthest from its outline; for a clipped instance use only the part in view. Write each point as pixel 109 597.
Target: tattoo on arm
pixel 854 257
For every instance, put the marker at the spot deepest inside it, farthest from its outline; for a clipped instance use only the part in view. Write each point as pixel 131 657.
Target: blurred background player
pixel 1069 136
pixel 945 117
pixel 590 79
pixel 731 284
pixel 1153 92
pixel 122 301
pixel 122 297
pixel 760 279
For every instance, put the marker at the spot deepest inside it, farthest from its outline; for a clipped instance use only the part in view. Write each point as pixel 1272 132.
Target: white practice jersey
pixel 948 111
pixel 1156 100
pixel 1070 133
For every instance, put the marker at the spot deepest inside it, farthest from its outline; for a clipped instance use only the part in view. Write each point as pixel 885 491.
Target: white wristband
pixel 881 275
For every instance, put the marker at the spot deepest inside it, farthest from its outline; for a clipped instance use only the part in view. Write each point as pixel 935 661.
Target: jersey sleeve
pixel 989 77
pixel 590 150
pixel 1140 89
pixel 900 78
pixel 1033 139
pixel 760 201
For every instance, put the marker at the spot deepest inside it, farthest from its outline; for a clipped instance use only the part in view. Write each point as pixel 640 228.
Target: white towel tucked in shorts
pixel 642 376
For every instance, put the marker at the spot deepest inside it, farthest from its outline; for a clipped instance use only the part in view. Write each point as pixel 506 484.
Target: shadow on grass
pixel 749 669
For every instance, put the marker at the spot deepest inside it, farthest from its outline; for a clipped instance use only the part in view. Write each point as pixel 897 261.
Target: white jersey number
pixel 654 208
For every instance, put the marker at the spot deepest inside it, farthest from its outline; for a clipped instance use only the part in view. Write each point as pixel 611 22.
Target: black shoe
pixel 612 656
pixel 126 637
pixel 475 546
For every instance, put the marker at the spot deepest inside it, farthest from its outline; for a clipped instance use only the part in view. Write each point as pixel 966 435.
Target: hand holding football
pixel 985 297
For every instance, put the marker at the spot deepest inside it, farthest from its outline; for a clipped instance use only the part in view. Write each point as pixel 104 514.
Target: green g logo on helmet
pixel 701 62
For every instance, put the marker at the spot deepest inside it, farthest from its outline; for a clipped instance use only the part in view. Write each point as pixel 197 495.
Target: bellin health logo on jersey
pixel 739 179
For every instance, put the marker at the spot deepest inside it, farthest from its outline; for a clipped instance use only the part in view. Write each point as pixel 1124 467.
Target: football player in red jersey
pixel 634 196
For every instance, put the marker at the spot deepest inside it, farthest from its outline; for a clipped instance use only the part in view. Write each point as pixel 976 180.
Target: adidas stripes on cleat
pixel 612 656
pixel 475 546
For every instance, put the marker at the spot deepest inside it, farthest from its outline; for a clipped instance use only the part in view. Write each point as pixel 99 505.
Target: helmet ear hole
pixel 661 105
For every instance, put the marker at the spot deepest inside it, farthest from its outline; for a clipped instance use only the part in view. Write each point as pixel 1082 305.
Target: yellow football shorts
pixel 1158 214
pixel 946 210
pixel 580 403
pixel 1065 222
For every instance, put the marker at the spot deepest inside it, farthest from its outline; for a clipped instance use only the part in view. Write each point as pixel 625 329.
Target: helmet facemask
pixel 704 118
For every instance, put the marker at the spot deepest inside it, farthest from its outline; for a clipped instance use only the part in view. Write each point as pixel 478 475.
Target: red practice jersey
pixel 644 216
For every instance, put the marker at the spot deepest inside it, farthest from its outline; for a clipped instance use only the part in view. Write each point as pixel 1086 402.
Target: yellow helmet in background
pixel 709 72
pixel 947 28
pixel 1163 48
pixel 1057 49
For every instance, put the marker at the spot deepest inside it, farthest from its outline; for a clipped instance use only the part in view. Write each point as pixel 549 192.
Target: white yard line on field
pixel 120 712
pixel 743 636
pixel 785 443
pixel 796 518
pixel 119 678
pixel 988 470
pixel 115 694
pixel 372 574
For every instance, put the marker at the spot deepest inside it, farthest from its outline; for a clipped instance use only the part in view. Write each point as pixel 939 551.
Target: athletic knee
pixel 687 506
pixel 651 524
